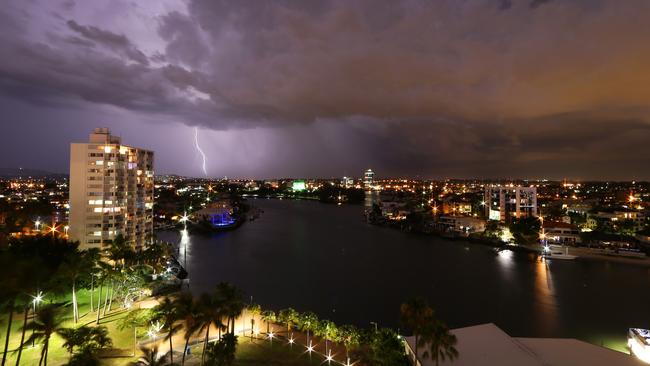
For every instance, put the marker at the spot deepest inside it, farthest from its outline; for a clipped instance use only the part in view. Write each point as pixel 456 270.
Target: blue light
pixel 223 219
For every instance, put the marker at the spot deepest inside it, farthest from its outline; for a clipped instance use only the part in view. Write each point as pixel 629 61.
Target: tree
pixel 232 302
pixel 47 322
pixel 85 339
pixel 350 336
pixel 222 352
pixel 414 314
pixel 85 358
pixel 167 312
pixel 289 317
pixel 384 348
pixel 30 263
pixel 269 317
pixel 440 342
pixel 210 312
pixel 525 229
pixel 74 266
pixel 149 357
pixel 254 310
pixel 308 321
pixel 120 251
pixel 187 311
pixel 10 288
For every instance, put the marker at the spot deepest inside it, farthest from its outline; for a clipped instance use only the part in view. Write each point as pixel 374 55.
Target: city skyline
pixel 474 89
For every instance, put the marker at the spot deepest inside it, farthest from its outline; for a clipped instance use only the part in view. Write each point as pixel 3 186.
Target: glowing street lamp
pixel 184 219
pixel 37 224
pixel 65 229
pixel 310 349
pixel 271 338
pixel 53 229
pixel 291 340
pixel 36 300
pixel 329 357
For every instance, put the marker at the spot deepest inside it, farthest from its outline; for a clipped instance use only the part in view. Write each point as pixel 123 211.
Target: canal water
pixel 325 258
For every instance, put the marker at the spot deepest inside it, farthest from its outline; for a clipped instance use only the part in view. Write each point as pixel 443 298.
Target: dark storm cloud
pixel 116 42
pixel 443 87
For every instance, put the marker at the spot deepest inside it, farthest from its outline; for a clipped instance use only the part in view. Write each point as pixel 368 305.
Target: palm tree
pixel 187 311
pixel 308 321
pixel 269 317
pixel 415 314
pixel 119 250
pixel 222 352
pixel 167 312
pixel 74 266
pixel 210 312
pixel 27 307
pixel 440 341
pixel 232 301
pixel 328 330
pixel 10 288
pixel 289 317
pixel 350 336
pixel 254 310
pixel 149 357
pixel 47 322
pixel 85 339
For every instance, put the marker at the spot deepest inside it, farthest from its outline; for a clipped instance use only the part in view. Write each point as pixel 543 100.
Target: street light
pixel 35 301
pixel 53 229
pixel 375 324
pixel 310 349
pixel 65 229
pixel 38 224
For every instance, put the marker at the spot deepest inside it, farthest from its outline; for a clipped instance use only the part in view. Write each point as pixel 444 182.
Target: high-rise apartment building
pixel 368 178
pixel 503 203
pixel 111 191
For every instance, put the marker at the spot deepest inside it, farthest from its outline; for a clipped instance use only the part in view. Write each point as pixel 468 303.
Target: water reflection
pixel 183 248
pixel 505 259
pixel 544 299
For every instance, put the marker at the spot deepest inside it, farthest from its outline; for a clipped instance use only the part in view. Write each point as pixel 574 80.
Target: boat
pixel 638 341
pixel 550 254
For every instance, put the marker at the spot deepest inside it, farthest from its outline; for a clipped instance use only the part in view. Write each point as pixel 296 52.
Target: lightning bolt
pixel 196 144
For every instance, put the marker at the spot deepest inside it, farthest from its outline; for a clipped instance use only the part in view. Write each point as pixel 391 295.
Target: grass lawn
pixel 260 352
pixel 122 339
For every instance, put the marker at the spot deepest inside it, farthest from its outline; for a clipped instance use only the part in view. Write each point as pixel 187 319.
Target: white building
pixel 561 233
pixel 368 178
pixel 487 345
pixel 503 203
pixel 462 224
pixel 111 191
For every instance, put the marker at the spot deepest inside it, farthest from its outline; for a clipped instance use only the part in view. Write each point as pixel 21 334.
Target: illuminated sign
pixel 298 185
pixel 495 215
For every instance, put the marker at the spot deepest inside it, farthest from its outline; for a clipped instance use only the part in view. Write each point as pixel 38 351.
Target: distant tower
pixel 368 178
pixel 111 191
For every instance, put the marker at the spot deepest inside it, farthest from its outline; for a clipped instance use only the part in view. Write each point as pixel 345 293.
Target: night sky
pixel 436 89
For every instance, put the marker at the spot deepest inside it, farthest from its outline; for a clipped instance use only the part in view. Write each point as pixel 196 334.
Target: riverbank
pixel 589 254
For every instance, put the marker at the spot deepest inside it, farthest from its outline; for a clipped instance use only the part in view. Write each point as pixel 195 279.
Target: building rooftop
pixel 488 345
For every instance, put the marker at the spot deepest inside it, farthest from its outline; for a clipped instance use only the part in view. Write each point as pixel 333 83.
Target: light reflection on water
pixel 544 298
